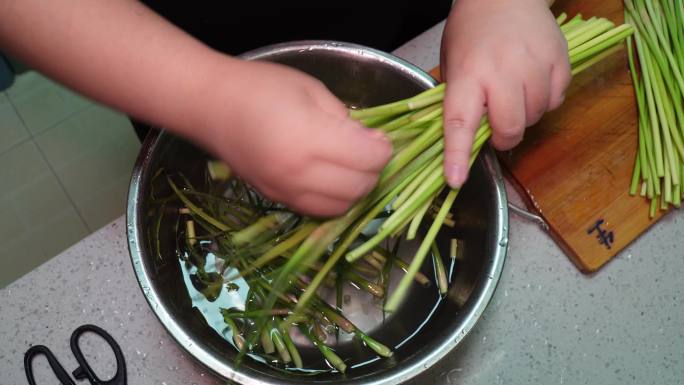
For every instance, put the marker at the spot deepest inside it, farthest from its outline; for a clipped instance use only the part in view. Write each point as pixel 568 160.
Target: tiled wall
pixel 65 164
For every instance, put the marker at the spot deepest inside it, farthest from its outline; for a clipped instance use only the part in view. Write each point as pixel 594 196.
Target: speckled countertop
pixel 547 323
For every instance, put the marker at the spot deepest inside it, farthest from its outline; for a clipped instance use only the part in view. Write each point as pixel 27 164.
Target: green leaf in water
pixel 209 284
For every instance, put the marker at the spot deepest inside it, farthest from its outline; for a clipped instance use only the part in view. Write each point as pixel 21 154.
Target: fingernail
pixel 377 135
pixel 456 175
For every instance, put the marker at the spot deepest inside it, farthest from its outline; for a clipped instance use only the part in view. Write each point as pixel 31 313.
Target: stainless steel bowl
pixel 362 77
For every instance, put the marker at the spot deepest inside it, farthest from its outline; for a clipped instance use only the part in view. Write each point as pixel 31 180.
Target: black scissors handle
pixel 57 368
pixel 83 371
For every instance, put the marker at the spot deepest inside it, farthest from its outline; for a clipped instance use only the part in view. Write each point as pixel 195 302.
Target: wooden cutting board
pixel 574 167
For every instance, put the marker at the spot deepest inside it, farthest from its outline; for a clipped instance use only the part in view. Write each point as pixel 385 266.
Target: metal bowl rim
pixel 392 376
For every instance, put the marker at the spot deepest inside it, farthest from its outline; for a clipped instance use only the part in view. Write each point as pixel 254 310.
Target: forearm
pixel 117 52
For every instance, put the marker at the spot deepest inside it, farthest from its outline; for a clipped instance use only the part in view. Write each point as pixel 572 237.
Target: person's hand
pixel 506 58
pixel 289 137
pixel 278 128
